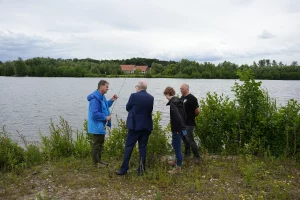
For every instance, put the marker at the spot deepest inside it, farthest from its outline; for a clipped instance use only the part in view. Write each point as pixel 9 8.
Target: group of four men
pixel 139 123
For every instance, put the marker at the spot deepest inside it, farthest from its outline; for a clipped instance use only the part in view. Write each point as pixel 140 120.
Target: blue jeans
pixel 132 138
pixel 176 143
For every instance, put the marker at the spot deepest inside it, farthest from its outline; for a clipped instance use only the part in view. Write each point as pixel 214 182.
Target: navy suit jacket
pixel 140 107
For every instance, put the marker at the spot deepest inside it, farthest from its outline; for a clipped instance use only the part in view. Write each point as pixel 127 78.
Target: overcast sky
pixel 240 31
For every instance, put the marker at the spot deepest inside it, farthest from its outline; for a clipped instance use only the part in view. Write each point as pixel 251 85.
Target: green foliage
pixel 60 142
pixel 158 144
pixel 82 146
pixel 252 123
pixel 114 144
pixel 20 68
pixel 289 126
pixel 32 155
pixel 11 154
pixel 217 124
pixel 49 67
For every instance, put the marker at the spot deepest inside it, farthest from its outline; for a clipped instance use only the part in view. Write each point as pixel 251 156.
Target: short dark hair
pixel 170 91
pixel 102 83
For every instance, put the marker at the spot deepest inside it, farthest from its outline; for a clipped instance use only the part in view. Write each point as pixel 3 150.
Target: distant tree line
pixel 50 67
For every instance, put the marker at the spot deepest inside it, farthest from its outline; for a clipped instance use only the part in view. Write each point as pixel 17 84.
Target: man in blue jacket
pixel 98 116
pixel 139 123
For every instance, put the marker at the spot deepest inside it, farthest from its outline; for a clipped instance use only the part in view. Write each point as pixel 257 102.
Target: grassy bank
pixel 217 177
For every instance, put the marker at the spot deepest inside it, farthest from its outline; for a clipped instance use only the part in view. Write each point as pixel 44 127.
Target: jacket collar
pixel 170 100
pixel 142 91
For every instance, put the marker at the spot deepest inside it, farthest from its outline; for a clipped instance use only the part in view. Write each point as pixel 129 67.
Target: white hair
pixel 143 85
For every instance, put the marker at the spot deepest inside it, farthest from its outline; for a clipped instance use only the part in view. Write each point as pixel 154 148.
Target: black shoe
pixel 103 163
pixel 140 173
pixel 119 173
pixel 197 160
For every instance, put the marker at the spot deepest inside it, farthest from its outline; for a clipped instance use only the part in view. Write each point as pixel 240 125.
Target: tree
pixel 294 64
pixel 137 71
pixel 20 68
pixel 157 68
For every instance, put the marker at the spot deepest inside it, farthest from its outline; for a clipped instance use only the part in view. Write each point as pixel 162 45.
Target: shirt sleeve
pixel 194 103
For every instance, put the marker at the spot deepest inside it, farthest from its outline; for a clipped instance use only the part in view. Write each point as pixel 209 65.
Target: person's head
pixel 142 85
pixel 103 86
pixel 185 89
pixel 169 92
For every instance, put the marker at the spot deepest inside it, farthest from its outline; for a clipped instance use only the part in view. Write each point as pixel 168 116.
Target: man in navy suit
pixel 139 123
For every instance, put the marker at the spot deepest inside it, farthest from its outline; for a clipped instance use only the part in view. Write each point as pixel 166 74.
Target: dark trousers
pixel 142 138
pixel 189 142
pixel 98 141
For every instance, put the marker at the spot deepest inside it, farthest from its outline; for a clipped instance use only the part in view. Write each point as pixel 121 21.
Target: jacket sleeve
pixel 152 104
pixel 130 103
pixel 177 117
pixel 96 110
pixel 110 103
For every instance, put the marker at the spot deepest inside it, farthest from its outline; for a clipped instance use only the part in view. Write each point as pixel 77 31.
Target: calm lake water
pixel 27 103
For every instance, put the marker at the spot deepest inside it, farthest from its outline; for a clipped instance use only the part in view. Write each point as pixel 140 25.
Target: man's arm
pixel 197 111
pixel 111 101
pixel 177 117
pixel 195 105
pixel 130 103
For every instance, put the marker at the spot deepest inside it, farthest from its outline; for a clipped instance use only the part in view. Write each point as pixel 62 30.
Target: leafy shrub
pixel 60 142
pixel 11 154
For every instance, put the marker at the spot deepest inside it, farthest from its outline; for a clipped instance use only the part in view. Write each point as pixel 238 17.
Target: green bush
pixel 60 142
pixel 158 143
pixel 217 124
pixel 82 145
pixel 115 142
pixel 11 154
pixel 251 123
pixel 33 155
pixel 287 141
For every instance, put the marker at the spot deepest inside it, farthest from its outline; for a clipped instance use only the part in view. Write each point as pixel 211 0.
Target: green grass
pixel 217 177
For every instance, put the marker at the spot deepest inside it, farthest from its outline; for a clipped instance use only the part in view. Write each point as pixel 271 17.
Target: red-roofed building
pixel 128 69
pixel 143 69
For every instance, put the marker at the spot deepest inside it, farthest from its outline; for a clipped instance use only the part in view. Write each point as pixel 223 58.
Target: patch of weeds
pixel 44 196
pixel 158 196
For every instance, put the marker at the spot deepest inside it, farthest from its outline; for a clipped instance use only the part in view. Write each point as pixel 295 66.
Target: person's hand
pixel 108 118
pixel 114 97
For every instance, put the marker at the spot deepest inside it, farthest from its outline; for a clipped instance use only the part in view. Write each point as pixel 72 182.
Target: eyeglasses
pixel 137 86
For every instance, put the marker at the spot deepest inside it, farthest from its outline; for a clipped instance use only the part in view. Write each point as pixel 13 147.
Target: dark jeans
pixel 98 141
pixel 189 142
pixel 132 138
pixel 176 144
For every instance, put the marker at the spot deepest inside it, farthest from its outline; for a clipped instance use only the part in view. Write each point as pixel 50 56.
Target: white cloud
pixel 198 30
pixel 266 35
